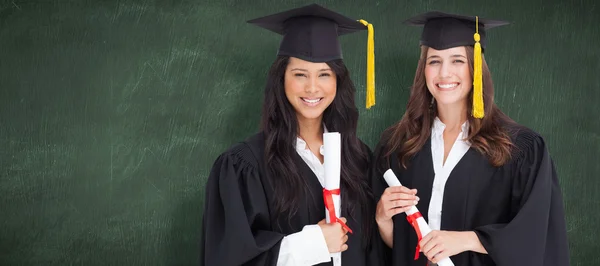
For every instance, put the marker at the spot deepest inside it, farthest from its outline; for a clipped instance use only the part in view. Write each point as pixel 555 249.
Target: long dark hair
pixel 489 135
pixel 280 127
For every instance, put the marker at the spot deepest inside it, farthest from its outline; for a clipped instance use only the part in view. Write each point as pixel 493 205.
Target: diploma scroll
pixel 332 163
pixel 414 217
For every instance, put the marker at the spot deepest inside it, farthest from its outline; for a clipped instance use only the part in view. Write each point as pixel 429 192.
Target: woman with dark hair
pixel 486 185
pixel 264 196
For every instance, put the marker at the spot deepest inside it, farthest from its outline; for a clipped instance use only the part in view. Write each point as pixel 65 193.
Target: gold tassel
pixel 478 110
pixel 370 65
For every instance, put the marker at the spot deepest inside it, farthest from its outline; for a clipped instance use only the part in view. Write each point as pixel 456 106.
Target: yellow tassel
pixel 370 65
pixel 478 110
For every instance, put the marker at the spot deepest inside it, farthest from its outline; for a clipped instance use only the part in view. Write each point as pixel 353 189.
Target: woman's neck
pixel 452 116
pixel 311 130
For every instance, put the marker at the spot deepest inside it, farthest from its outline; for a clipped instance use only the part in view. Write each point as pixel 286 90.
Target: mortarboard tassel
pixel 478 110
pixel 370 65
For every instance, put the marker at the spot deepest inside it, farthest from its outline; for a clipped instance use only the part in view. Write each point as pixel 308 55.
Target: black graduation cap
pixel 444 30
pixel 311 33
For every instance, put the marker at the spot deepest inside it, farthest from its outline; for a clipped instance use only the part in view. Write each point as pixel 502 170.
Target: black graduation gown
pixel 238 228
pixel 516 210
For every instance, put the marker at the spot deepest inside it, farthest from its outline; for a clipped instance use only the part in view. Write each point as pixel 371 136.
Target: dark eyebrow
pixel 304 70
pixel 437 56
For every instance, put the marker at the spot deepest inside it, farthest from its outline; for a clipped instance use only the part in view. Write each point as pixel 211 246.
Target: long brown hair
pixel 489 135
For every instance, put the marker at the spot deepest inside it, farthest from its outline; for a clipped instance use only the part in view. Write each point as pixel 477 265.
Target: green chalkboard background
pixel 112 112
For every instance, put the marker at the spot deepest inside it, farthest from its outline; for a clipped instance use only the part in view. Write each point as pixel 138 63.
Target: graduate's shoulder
pixel 525 140
pixel 365 147
pixel 382 145
pixel 246 152
pixel 384 138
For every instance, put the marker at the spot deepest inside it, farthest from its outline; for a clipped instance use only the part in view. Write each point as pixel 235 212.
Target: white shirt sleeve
pixel 307 247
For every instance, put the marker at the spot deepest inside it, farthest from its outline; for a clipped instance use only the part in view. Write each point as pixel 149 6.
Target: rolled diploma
pixel 392 180
pixel 332 165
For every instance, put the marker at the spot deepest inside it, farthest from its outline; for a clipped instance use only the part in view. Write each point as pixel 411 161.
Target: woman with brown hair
pixel 486 185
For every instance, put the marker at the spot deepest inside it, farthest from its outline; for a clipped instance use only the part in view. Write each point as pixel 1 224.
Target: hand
pixel 439 245
pixel 335 235
pixel 394 200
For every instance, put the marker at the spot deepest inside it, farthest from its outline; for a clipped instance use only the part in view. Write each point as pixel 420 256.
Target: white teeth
pixel 447 86
pixel 311 101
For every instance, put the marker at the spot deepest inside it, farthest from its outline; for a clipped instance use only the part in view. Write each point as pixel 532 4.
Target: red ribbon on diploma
pixel 412 219
pixel 328 198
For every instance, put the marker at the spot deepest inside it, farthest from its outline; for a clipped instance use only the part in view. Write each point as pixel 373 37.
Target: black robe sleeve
pixel 536 235
pixel 235 205
pixel 378 186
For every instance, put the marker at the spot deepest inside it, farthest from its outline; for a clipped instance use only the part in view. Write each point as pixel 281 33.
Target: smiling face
pixel 448 76
pixel 309 87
